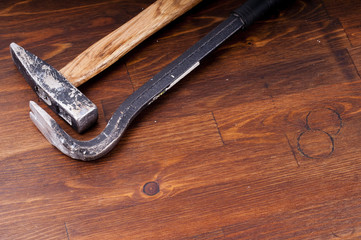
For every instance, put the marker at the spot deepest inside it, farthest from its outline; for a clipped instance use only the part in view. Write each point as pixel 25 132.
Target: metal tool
pixel 150 91
pixel 58 88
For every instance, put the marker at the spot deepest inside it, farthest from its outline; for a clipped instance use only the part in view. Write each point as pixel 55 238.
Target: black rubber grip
pixel 252 10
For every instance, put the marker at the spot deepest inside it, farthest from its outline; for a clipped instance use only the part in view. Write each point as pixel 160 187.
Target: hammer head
pixel 55 90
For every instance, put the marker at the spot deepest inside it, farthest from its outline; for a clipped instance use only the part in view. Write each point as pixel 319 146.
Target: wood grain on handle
pixel 109 49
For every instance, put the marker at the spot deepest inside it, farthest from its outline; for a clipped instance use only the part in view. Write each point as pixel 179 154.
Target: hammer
pixel 100 145
pixel 58 89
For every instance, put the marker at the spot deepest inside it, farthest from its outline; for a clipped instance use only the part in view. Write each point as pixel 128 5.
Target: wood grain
pixel 261 141
pixel 113 46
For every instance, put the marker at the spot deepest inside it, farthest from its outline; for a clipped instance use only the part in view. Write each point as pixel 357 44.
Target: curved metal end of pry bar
pixel 80 150
pixel 46 124
pixel 141 98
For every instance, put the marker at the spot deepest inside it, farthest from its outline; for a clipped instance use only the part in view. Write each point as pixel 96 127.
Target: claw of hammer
pixel 58 88
pixel 150 91
pixel 81 150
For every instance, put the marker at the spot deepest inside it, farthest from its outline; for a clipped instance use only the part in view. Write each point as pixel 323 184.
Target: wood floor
pixel 261 141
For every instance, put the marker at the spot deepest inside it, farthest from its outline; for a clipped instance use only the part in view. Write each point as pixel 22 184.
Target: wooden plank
pixel 261 141
pixel 355 53
pixel 348 14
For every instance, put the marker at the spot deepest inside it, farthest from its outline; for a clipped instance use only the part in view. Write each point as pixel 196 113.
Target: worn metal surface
pixel 53 88
pixel 150 91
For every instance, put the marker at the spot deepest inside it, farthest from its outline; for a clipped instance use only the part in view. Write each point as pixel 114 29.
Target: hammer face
pixel 53 88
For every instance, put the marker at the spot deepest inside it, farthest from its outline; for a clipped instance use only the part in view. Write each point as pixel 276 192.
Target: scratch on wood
pixel 103 111
pixel 66 230
pixel 346 234
pixel 293 152
pixel 219 132
pixel 344 31
pixel 130 79
pixel 353 63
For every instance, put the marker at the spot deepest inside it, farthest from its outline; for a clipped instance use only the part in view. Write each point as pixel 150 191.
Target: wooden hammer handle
pixel 109 49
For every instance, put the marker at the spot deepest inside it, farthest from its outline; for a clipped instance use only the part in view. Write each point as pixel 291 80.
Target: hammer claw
pixel 150 91
pixel 44 122
pixel 81 150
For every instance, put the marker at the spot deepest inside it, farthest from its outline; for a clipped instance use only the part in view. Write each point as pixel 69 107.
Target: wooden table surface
pixel 261 141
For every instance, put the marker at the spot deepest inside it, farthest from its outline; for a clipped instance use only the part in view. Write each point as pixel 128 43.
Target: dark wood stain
pixel 214 158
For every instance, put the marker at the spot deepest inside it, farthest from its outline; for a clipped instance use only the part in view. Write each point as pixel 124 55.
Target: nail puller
pixel 150 91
